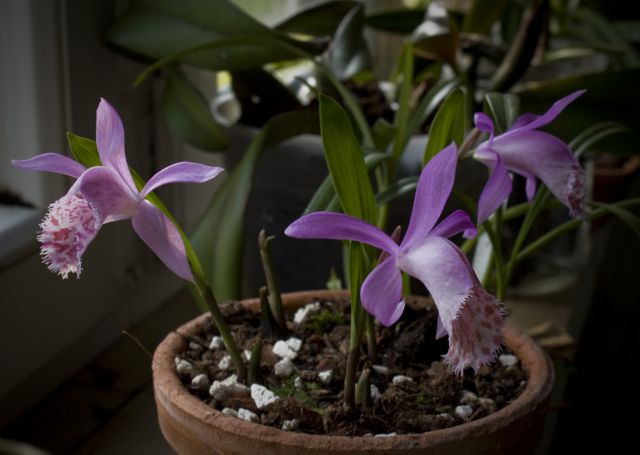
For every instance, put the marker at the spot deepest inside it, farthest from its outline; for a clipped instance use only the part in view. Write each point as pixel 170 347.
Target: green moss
pixel 325 320
pixel 288 389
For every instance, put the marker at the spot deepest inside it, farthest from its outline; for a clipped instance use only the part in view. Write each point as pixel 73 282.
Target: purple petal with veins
pixel 51 162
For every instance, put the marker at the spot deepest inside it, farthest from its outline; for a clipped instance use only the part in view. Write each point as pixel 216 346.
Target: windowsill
pixel 18 226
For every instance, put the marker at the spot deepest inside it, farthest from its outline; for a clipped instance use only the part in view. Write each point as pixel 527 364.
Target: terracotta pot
pixel 193 428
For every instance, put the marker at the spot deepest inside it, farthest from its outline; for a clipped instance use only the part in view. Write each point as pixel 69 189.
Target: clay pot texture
pixel 193 428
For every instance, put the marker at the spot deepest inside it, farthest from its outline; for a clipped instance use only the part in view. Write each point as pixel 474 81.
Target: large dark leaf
pixel 187 113
pixel 348 52
pixel 437 37
pixel 401 21
pixel 218 238
pixel 318 18
pixel 482 15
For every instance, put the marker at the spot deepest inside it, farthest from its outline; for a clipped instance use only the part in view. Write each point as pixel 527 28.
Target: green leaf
pixel 325 196
pixel 588 138
pixel 624 215
pixel 383 133
pixel 482 15
pixel 400 21
pixel 84 150
pixel 348 54
pixel 401 118
pixel 504 108
pixel 345 161
pixel 318 18
pixel 450 124
pixel 218 238
pixel 397 189
pixel 187 113
pixel 429 102
pixel 154 36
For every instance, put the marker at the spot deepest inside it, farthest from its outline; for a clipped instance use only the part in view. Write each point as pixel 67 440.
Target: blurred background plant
pixel 393 65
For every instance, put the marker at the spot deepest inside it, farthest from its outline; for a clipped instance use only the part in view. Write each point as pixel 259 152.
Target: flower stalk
pixel 275 298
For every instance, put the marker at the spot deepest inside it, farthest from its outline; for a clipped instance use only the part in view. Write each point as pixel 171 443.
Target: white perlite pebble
pixel 247 354
pixel 247 415
pixel 282 350
pixel 303 313
pixel 298 383
pixel 284 368
pixel 230 412
pixel 488 404
pixel 464 411
pixel 200 381
pixel 380 369
pixel 290 425
pixel 386 435
pixel 468 397
pixel 325 376
pixel 229 387
pixel 294 343
pixel 375 393
pixel 216 343
pixel 195 346
pixel 184 367
pixel 401 379
pixel 262 396
pixel 225 362
pixel 508 360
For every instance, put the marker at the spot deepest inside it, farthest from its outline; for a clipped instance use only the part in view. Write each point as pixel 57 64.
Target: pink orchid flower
pixel 470 315
pixel 107 193
pixel 531 153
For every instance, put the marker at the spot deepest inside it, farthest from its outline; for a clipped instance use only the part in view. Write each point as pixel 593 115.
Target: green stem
pixel 275 298
pixel 355 340
pixel 372 347
pixel 569 226
pixel 497 257
pixel 207 296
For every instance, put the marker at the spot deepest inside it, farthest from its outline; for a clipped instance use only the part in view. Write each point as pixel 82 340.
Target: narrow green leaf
pixel 383 133
pixel 504 108
pixel 397 189
pixel 218 238
pixel 84 150
pixel 402 113
pixel 589 137
pixel 346 161
pixel 482 15
pixel 437 37
pixel 450 124
pixel 428 104
pixel 325 196
pixel 624 215
pixel 187 113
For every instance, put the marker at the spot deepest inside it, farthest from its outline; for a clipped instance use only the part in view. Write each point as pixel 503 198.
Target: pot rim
pixel 169 389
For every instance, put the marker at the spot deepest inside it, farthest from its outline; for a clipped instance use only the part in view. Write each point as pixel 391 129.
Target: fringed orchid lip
pixel 533 154
pixel 107 193
pixel 426 254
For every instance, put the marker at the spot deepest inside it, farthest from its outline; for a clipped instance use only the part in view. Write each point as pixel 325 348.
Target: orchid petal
pixel 65 233
pixel 470 315
pixel 454 224
pixel 183 172
pixel 483 122
pixel 524 120
pixel 110 141
pixel 381 292
pixel 529 123
pixel 440 331
pixel 338 226
pixel 164 239
pixel 495 191
pixel 51 162
pixel 530 187
pixel 539 154
pixel 433 190
pixel 103 188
